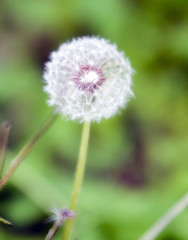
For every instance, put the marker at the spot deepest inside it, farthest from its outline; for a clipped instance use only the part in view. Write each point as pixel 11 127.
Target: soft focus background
pixel 137 162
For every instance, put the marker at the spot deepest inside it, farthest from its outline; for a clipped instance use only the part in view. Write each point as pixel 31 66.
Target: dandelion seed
pixel 88 79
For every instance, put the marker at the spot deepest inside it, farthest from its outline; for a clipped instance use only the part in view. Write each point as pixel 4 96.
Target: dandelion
pixel 88 79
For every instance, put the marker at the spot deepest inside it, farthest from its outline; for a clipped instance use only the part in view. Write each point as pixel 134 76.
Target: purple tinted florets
pixel 88 78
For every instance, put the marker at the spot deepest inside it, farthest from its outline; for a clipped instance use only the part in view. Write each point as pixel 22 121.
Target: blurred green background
pixel 137 162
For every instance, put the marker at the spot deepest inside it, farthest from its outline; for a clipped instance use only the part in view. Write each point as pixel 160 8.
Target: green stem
pixel 78 178
pixel 4 134
pixel 27 148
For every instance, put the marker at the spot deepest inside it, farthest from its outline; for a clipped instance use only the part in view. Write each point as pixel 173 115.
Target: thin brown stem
pixel 27 148
pixel 4 134
pixel 53 230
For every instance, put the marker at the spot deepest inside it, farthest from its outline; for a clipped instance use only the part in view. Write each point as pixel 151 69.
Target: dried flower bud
pixel 60 215
pixel 88 79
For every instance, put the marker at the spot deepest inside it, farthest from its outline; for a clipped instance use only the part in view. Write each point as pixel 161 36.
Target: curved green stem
pixel 78 178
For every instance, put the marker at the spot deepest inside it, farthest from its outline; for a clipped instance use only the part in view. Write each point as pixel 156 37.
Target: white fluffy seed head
pixel 88 79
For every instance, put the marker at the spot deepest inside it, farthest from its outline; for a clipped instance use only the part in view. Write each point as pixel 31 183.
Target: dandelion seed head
pixel 88 79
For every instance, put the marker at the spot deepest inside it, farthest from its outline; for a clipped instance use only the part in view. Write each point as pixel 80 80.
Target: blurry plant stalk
pixel 53 230
pixel 27 148
pixel 78 178
pixel 4 134
pixel 166 219
pixel 6 222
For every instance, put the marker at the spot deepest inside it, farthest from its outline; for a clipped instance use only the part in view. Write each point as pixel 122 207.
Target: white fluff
pixel 88 79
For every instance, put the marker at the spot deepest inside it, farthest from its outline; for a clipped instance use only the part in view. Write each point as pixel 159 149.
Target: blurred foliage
pixel 137 161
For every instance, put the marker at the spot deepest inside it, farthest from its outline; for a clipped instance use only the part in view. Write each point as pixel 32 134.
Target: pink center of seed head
pixel 88 78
